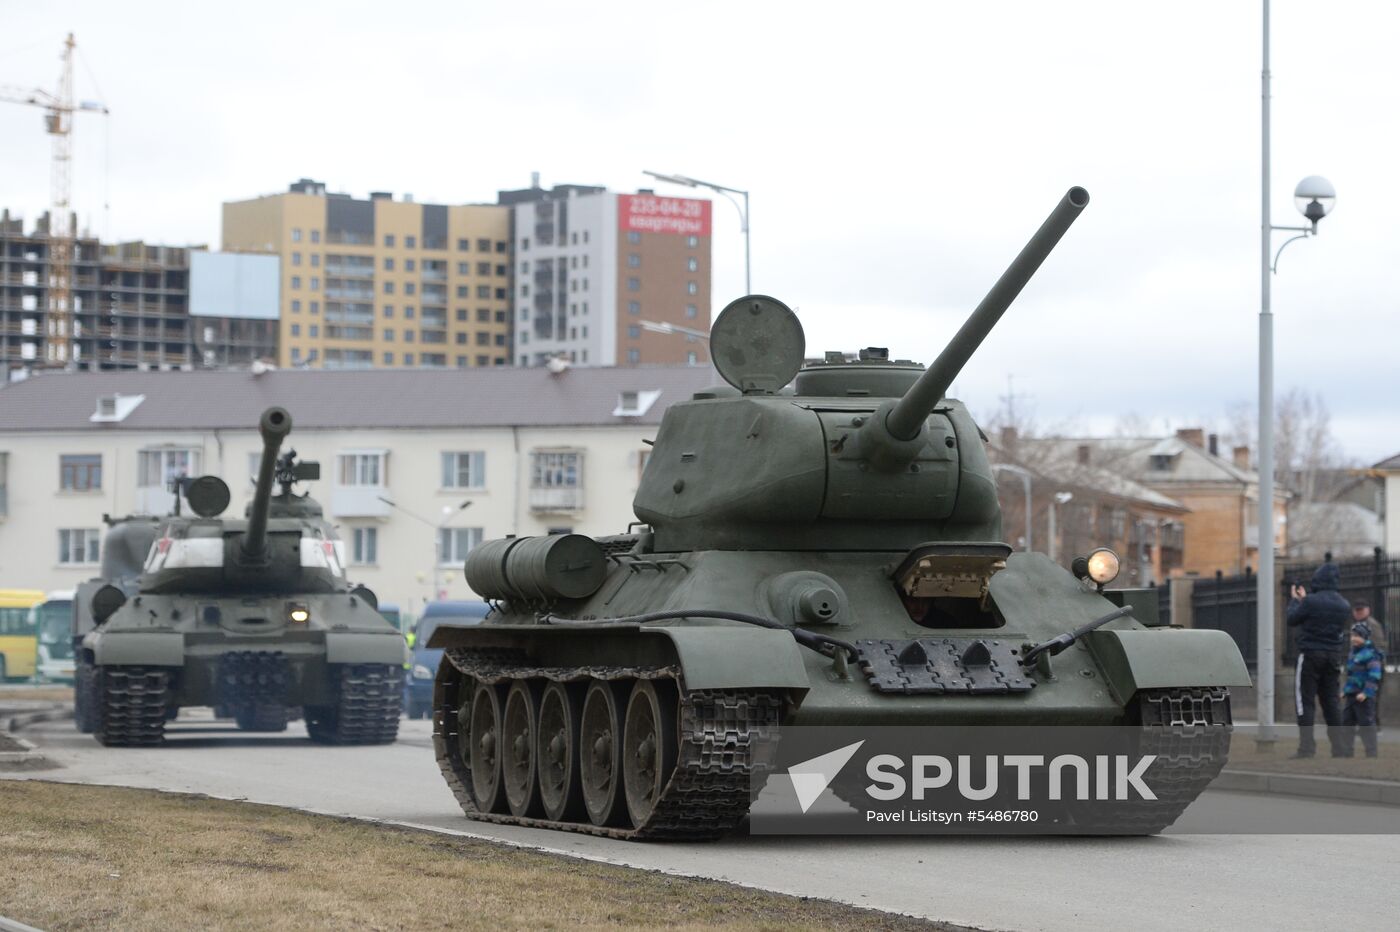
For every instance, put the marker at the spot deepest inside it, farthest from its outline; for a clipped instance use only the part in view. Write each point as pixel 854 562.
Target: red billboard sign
pixel 647 213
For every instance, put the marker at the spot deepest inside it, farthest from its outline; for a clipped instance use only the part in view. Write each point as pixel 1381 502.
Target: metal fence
pixel 1228 603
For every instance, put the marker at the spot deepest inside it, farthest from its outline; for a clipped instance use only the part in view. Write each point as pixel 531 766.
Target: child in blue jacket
pixel 1362 690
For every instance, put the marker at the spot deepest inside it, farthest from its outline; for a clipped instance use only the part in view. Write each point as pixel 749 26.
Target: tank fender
pixel 725 657
pixel 364 647
pixel 147 648
pixel 1135 659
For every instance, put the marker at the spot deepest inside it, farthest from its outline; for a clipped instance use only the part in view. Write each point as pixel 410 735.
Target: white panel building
pixel 417 466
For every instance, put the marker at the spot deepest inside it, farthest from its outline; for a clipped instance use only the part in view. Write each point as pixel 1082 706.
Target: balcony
pixel 357 501
pixel 354 294
pixel 349 271
pixel 556 500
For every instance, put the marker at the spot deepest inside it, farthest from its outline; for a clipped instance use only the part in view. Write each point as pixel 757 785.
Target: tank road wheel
pixel 262 716
pixel 484 749
pixel 519 727
pixel 131 705
pixel 600 752
pixel 556 753
pixel 648 747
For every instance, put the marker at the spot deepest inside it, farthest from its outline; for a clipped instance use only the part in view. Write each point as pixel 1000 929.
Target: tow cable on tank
pixel 821 643
pixel 1062 641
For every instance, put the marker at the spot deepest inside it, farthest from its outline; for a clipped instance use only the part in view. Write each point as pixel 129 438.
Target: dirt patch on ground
pixel 78 857
pixel 37 693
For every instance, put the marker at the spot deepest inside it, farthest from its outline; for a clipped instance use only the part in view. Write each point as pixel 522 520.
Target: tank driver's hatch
pixel 757 344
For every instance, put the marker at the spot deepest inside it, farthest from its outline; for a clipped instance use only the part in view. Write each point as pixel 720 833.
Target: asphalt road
pixel 1176 881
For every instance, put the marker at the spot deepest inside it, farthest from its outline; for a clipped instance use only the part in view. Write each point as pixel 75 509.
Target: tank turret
pixel 274 425
pixel 864 454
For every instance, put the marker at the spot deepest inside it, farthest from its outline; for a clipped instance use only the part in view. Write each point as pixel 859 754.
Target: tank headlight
pixel 421 672
pixel 299 614
pixel 1103 566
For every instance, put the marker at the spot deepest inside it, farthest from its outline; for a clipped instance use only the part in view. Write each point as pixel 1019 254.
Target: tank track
pixel 1189 731
pixel 369 701
pixel 85 698
pixel 727 738
pixel 131 704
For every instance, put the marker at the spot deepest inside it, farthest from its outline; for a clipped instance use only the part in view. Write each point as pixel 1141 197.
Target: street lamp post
pixel 1314 197
pixel 725 192
pixel 448 513
pixel 1059 498
pixel 1025 475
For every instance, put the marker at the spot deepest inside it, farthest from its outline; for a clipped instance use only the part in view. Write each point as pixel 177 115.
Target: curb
pixel 25 719
pixel 1345 789
pixel 10 925
pixel 28 757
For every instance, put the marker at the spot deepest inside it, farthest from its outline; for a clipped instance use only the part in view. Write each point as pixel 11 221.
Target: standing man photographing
pixel 1324 617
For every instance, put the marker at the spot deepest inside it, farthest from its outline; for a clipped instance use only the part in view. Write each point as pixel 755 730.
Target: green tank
pixel 253 617
pixel 820 543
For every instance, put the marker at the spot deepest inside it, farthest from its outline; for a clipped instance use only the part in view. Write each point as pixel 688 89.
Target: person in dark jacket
pixel 1324 618
pixel 1362 690
pixel 1361 613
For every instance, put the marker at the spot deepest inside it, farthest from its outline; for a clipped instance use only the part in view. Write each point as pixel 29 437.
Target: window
pixel 461 338
pixel 296 258
pixel 296 281
pixel 408 336
pixel 409 288
pixel 410 242
pixel 389 240
pixel 555 470
pixel 500 339
pixel 409 265
pixel 315 236
pixel 483 268
pixel 156 468
pixel 296 330
pixel 500 245
pixel 388 359
pixel 364 546
pixel 465 268
pixel 362 469
pixel 388 336
pixel 78 546
pixel 388 287
pixel 454 543
pixel 408 359
pixel 388 263
pixel 692 288
pixel 692 311
pixel 634 308
pixel 634 356
pixel 315 330
pixel 501 269
pixel 296 307
pixel 315 260
pixel 296 234
pixel 500 315
pixel 483 291
pixel 315 307
pixel 634 332
pixel 634 284
pixel 80 472
pixel 691 358
pixel 463 245
pixel 634 261
pixel 692 241
pixel 484 245
pixel 634 237
pixel 315 283
pixel 525 267
pixel 483 338
pixel 585 236
pixel 464 291
pixel 408 311
pixel 461 314
pixel 692 264
pixel 464 470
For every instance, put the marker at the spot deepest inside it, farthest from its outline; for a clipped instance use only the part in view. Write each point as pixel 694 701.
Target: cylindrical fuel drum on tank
pixel 561 566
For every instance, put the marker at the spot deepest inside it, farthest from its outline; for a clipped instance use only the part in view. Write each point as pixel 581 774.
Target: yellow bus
pixel 18 643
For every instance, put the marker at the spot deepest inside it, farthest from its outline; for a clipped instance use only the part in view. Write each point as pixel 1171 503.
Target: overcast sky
pixel 898 156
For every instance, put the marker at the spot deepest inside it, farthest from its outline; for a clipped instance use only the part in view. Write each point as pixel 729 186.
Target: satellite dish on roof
pixel 757 344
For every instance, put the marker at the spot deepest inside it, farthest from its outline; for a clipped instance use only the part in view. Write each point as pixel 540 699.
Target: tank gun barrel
pixel 908 415
pixel 274 425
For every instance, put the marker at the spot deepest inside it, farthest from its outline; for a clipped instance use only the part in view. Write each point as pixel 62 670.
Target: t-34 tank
pixel 824 551
pixel 253 616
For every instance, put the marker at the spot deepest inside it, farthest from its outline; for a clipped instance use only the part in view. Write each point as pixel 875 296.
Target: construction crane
pixel 59 108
